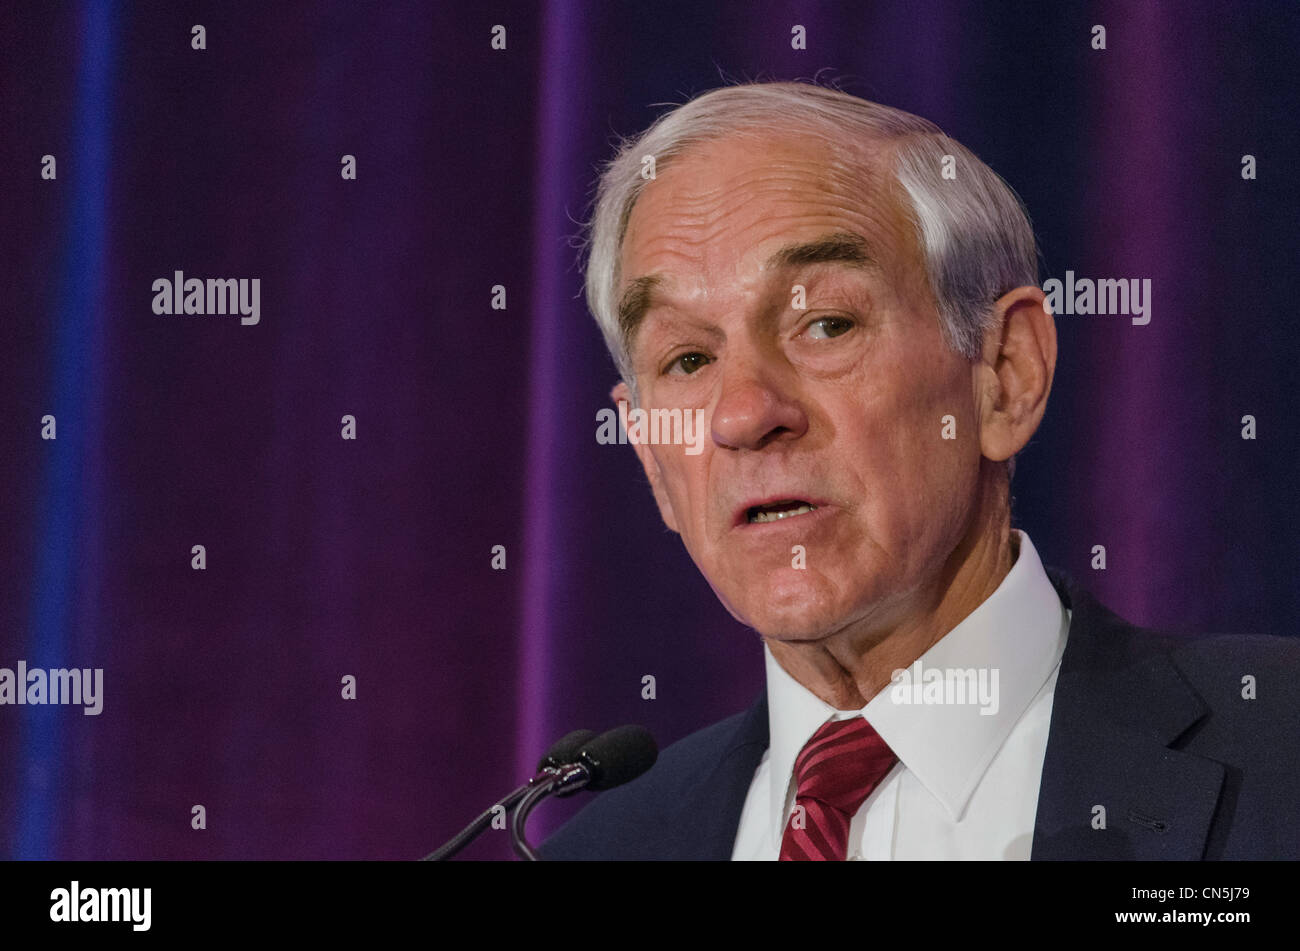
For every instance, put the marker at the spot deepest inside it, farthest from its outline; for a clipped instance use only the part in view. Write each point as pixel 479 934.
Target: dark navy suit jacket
pixel 1153 728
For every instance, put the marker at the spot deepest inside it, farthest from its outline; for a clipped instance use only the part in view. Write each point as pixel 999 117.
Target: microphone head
pixel 619 756
pixel 565 750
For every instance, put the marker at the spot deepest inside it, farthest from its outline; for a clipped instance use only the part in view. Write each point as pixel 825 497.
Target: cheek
pixel 685 481
pixel 944 458
pixel 913 463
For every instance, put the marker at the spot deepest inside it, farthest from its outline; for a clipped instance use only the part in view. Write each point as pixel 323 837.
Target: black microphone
pixel 562 753
pixel 565 750
pixel 611 759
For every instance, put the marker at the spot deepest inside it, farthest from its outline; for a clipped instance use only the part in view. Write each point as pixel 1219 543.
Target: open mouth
pixel 775 511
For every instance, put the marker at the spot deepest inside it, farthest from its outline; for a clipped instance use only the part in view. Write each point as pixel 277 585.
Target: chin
pixel 788 604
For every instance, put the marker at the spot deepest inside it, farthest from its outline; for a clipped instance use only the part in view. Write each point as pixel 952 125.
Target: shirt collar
pixel 1018 631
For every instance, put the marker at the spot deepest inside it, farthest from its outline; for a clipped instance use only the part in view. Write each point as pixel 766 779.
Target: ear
pixel 1015 373
pixel 621 394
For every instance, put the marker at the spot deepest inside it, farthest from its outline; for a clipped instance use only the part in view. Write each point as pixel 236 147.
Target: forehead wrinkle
pixel 697 219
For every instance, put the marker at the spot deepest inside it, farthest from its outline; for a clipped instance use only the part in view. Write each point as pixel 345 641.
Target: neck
pixel 849 667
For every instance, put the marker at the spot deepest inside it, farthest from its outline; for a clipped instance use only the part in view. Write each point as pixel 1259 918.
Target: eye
pixel 687 363
pixel 824 328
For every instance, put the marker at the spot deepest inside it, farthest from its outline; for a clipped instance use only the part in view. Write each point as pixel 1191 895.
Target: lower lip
pixel 801 522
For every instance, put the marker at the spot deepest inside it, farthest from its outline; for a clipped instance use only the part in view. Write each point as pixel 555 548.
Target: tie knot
pixel 842 764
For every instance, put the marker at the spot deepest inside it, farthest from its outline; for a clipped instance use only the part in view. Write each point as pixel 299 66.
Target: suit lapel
pixel 1119 704
pixel 705 826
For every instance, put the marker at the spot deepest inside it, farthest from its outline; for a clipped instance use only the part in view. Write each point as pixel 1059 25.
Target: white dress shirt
pixel 966 784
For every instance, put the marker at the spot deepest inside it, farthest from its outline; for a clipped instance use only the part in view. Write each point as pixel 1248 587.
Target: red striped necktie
pixel 836 772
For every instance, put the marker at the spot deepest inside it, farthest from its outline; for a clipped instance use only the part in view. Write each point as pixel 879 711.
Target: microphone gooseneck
pixel 609 760
pixel 563 752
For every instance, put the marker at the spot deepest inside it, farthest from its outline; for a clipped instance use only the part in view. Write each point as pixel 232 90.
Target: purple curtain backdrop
pixel 475 427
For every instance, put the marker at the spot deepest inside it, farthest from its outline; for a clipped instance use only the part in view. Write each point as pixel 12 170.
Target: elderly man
pixel 852 300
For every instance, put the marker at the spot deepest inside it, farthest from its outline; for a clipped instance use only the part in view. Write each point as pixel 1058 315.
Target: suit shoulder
pixel 614 824
pixel 1268 649
pixel 1249 676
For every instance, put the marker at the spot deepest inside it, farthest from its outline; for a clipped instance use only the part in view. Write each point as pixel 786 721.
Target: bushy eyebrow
pixel 839 247
pixel 634 303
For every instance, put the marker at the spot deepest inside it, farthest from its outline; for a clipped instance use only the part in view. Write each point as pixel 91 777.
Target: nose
pixel 754 410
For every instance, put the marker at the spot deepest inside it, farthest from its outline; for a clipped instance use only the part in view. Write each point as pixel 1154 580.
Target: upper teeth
pixel 761 516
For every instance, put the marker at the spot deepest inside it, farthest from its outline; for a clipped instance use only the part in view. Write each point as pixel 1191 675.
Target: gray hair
pixel 973 230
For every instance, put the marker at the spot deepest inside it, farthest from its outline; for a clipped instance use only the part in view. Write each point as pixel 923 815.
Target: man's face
pixel 840 404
